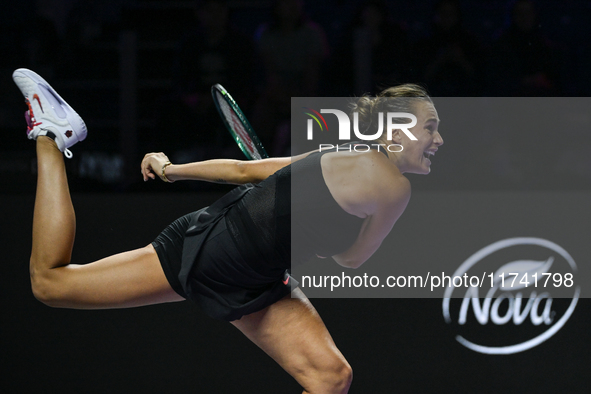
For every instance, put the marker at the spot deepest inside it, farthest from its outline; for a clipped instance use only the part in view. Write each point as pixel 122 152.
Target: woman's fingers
pixel 145 167
pixel 151 163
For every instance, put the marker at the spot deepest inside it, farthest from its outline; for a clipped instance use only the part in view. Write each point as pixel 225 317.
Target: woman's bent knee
pixel 335 378
pixel 40 291
pixel 44 288
pixel 343 378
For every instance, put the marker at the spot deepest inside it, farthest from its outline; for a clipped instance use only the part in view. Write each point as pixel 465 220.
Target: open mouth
pixel 428 154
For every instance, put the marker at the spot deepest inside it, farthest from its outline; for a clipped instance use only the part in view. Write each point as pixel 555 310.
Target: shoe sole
pixel 76 122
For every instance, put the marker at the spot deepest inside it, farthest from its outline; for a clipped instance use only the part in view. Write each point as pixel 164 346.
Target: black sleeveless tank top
pixel 290 217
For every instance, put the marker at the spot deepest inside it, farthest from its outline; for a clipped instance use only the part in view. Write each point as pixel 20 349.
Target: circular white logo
pixel 520 277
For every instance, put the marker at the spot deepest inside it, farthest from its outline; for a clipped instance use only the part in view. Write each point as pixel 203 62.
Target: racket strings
pixel 236 124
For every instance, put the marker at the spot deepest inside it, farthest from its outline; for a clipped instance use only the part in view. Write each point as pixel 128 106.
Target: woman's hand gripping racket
pixel 237 124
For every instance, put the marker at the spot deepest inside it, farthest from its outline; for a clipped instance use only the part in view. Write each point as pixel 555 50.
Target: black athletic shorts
pixel 169 247
pixel 225 285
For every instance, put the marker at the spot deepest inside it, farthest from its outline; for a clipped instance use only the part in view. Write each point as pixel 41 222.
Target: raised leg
pixel 124 280
pixel 293 334
pixel 54 221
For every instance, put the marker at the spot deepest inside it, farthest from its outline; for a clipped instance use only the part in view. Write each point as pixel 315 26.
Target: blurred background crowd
pixel 140 72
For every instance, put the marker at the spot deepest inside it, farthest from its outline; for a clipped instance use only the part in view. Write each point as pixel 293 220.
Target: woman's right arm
pixel 230 171
pixel 368 186
pixel 389 203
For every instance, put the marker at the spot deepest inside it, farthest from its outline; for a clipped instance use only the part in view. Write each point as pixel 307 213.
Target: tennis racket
pixel 237 124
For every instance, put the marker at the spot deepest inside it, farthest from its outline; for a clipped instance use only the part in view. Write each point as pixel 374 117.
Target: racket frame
pixel 255 144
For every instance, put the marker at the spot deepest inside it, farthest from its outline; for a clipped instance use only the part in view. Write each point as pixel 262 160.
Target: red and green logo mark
pixel 315 117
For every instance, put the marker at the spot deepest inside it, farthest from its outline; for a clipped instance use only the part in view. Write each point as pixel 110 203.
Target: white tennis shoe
pixel 48 113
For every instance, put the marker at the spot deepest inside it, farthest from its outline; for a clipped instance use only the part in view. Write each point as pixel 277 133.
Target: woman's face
pixel 416 155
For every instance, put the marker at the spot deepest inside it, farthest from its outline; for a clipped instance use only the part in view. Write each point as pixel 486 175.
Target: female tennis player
pixel 231 258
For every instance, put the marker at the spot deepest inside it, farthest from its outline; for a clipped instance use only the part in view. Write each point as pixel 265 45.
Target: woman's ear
pixel 396 136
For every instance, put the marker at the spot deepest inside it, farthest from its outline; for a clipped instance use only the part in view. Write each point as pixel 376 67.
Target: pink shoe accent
pixel 29 122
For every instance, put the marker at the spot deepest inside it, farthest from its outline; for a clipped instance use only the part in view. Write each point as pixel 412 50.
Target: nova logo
pixel 531 296
pixel 392 119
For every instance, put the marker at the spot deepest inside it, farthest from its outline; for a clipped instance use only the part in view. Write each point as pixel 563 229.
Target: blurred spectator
pixel 450 58
pixel 292 49
pixel 523 62
pixel 212 52
pixel 374 51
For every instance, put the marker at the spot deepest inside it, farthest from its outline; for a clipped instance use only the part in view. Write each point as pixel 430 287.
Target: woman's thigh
pixel 124 280
pixel 294 335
